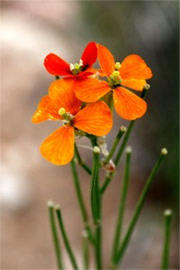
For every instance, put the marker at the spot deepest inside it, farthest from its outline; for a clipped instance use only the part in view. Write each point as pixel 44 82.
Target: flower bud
pixel 62 111
pixel 123 129
pixel 128 149
pixel 96 149
pixel 117 65
pixel 164 151
pixel 168 212
pixel 115 74
pixel 147 86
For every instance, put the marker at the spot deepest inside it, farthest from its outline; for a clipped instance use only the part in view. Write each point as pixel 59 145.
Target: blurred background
pixel 29 31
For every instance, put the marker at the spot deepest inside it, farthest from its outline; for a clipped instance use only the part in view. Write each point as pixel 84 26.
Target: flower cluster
pixel 82 99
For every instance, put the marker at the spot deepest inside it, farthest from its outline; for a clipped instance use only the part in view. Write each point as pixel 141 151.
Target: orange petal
pixel 61 92
pixel 106 60
pixel 134 67
pixel 58 148
pixel 95 119
pixel 128 105
pixel 45 111
pixel 134 84
pixel 90 90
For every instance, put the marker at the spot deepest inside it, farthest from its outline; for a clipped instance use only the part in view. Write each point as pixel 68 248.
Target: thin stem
pixel 117 139
pixel 85 252
pixel 121 149
pixel 96 204
pixel 125 183
pixel 138 208
pixel 81 201
pixel 55 235
pixel 167 235
pixel 124 143
pixel 65 238
pixel 106 182
pixel 81 162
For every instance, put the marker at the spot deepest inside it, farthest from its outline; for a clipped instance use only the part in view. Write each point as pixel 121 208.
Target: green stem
pixel 81 201
pixel 96 205
pixel 121 149
pixel 115 143
pixel 55 235
pixel 125 183
pixel 167 234
pixel 138 208
pixel 57 77
pixel 81 162
pixel 65 238
pixel 85 252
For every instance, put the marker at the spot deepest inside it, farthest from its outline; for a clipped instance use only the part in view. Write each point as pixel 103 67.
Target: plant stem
pixel 65 238
pixel 85 252
pixel 121 149
pixel 55 235
pixel 125 183
pixel 80 161
pixel 117 139
pixel 81 201
pixel 118 156
pixel 57 78
pixel 96 205
pixel 167 234
pixel 138 208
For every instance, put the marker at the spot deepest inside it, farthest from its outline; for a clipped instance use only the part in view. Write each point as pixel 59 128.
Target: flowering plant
pixel 83 100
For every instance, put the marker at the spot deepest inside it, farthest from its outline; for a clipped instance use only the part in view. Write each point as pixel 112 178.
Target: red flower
pixel 57 66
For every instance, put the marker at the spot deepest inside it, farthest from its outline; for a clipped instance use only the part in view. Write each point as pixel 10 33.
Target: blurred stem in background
pixel 117 235
pixel 85 251
pixel 138 209
pixel 81 201
pixel 55 235
pixel 65 238
pixel 167 235
pixel 96 202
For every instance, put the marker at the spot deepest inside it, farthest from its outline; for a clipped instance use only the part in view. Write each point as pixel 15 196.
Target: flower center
pixel 66 116
pixel 114 79
pixel 76 68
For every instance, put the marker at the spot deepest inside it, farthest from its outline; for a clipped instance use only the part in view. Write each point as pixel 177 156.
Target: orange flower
pixel 62 104
pixel 57 66
pixel 132 73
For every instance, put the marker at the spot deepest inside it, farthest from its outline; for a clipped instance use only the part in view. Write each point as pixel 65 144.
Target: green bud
pixel 62 111
pixel 117 65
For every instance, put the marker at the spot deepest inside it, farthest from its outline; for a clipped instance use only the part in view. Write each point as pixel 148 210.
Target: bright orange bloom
pixel 131 73
pixel 57 66
pixel 62 104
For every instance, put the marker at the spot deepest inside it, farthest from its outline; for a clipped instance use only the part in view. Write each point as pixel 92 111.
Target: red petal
pixel 56 66
pixel 89 55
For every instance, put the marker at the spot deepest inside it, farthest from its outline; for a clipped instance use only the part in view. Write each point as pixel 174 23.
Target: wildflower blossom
pixel 131 73
pixel 57 66
pixel 62 104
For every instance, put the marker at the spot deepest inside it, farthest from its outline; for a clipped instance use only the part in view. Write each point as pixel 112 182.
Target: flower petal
pixel 58 148
pixel 128 105
pixel 106 60
pixel 56 65
pixel 90 89
pixel 61 92
pixel 46 110
pixel 134 67
pixel 95 119
pixel 134 84
pixel 89 55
